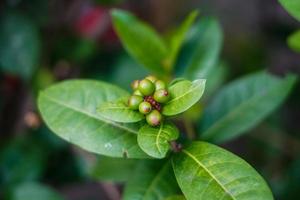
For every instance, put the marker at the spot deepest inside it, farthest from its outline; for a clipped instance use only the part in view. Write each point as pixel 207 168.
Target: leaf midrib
pixel 181 96
pixel 157 137
pixel 209 172
pixel 90 115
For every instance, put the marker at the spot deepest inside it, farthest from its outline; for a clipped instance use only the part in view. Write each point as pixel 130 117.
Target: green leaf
pixel 152 180
pixel 113 169
pixel 178 37
pixel 176 80
pixel 292 6
pixel 118 111
pixel 155 140
pixel 140 41
pixel 204 46
pixel 176 197
pixel 34 191
pixel 184 94
pixel 215 79
pixel 242 104
pixel 205 171
pixel 69 109
pixel 19 45
pixel 294 41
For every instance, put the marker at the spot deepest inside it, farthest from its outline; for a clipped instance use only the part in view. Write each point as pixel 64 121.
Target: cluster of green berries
pixel 148 96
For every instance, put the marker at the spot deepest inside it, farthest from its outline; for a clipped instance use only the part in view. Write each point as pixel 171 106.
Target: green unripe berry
pixel 161 96
pixel 135 84
pixel 159 84
pixel 154 118
pixel 138 93
pixel 151 78
pixel 145 107
pixel 146 87
pixel 134 102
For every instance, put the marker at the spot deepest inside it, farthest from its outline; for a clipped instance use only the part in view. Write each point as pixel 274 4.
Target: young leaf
pixel 292 6
pixel 294 41
pixel 184 94
pixel 19 45
pixel 205 171
pixel 152 180
pixel 242 104
pixel 155 140
pixel 140 40
pixel 178 37
pixel 112 169
pixel 34 191
pixel 69 109
pixel 119 111
pixel 203 49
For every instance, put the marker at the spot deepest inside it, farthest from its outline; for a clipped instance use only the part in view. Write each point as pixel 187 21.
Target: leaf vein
pixel 90 115
pixel 209 172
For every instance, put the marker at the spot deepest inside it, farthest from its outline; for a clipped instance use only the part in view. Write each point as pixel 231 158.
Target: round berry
pixel 151 78
pixel 154 118
pixel 134 102
pixel 135 84
pixel 146 87
pixel 145 107
pixel 159 84
pixel 138 93
pixel 161 96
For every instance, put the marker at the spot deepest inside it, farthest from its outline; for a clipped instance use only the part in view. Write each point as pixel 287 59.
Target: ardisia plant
pixel 152 102
pixel 164 155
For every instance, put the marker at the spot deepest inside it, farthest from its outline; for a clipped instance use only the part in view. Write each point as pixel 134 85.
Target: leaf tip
pixel 119 13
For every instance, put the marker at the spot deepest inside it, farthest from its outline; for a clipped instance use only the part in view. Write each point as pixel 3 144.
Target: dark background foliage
pixel 55 40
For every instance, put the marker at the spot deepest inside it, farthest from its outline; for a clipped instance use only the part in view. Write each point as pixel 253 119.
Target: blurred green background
pixel 43 42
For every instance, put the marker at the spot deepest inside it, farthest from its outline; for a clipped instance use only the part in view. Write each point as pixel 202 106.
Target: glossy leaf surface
pixel 140 41
pixel 242 104
pixel 184 94
pixel 205 171
pixel 69 109
pixel 119 111
pixel 155 140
